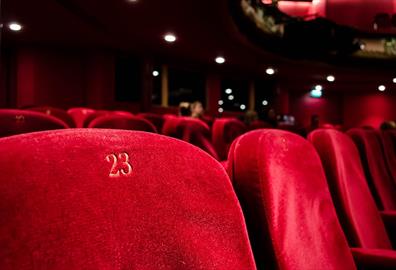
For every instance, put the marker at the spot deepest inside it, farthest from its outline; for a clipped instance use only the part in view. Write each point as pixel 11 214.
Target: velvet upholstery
pixel 14 122
pixel 374 164
pixel 389 145
pixel 79 115
pixel 156 119
pixel 289 212
pixel 224 132
pixel 122 122
pixel 92 116
pixel 56 112
pixel 113 199
pixel 355 205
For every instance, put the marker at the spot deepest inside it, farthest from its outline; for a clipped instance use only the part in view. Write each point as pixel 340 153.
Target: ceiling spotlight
pixel 318 87
pixel 170 38
pixel 15 27
pixel 221 110
pixel 230 97
pixel 221 102
pixel 382 88
pixel 155 73
pixel 228 91
pixel 265 103
pixel 220 60
pixel 243 107
pixel 315 93
pixel 330 78
pixel 394 80
pixel 270 71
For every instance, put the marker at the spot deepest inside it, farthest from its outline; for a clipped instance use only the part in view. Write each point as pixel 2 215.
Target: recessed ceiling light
pixel 170 38
pixel 220 60
pixel 330 78
pixel 221 102
pixel 155 73
pixel 230 97
pixel 270 71
pixel 15 27
pixel 221 110
pixel 228 91
pixel 382 88
pixel 243 107
pixel 265 102
pixel 318 87
pixel 394 80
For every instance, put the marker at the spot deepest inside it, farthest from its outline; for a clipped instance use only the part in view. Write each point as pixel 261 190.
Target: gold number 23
pixel 121 165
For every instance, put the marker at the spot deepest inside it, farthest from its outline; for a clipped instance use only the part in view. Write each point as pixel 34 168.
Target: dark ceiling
pixel 205 29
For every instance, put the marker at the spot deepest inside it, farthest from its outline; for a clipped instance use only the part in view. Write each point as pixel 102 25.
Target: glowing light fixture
pixel 243 107
pixel 220 60
pixel 221 110
pixel 230 97
pixel 382 88
pixel 316 92
pixel 155 73
pixel 228 91
pixel 221 102
pixel 330 78
pixel 15 26
pixel 265 102
pixel 394 80
pixel 170 38
pixel 270 71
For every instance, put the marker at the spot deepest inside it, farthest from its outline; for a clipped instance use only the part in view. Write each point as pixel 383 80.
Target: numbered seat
pixel 289 212
pixel 115 199
pixel 225 131
pixel 79 115
pixel 116 121
pixel 14 122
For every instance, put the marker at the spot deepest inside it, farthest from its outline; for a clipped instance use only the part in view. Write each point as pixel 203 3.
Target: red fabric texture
pixel 389 145
pixel 289 212
pixel 381 183
pixel 61 209
pixel 79 115
pixel 122 122
pixel 355 205
pixel 374 259
pixel 13 122
pixel 156 119
pixel 56 112
pixel 224 132
pixel 92 116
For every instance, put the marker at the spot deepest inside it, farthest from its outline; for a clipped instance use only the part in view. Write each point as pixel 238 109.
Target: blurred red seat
pixel 374 164
pixel 225 131
pixel 156 119
pixel 92 116
pixel 14 122
pixel 122 122
pixel 389 145
pixel 79 115
pixel 112 199
pixel 363 224
pixel 289 212
pixel 56 112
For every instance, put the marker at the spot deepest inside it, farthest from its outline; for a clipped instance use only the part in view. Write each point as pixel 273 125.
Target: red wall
pixel 369 109
pixel 64 78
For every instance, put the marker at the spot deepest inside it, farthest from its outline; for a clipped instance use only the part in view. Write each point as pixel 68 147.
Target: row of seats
pixel 113 199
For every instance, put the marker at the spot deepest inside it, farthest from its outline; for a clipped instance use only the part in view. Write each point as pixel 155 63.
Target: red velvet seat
pixel 92 116
pixel 14 122
pixel 156 119
pixel 56 112
pixel 359 216
pixel 282 188
pixel 374 164
pixel 112 199
pixel 389 145
pixel 79 115
pixel 122 122
pixel 224 132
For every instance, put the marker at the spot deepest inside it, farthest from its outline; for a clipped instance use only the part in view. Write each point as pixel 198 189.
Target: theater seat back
pixel 355 205
pixel 122 122
pixel 56 112
pixel 79 115
pixel 282 188
pixel 14 122
pixel 156 119
pixel 374 164
pixel 225 131
pixel 389 145
pixel 113 199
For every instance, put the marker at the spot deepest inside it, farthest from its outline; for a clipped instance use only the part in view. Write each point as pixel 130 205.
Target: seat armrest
pixel 389 219
pixel 367 259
